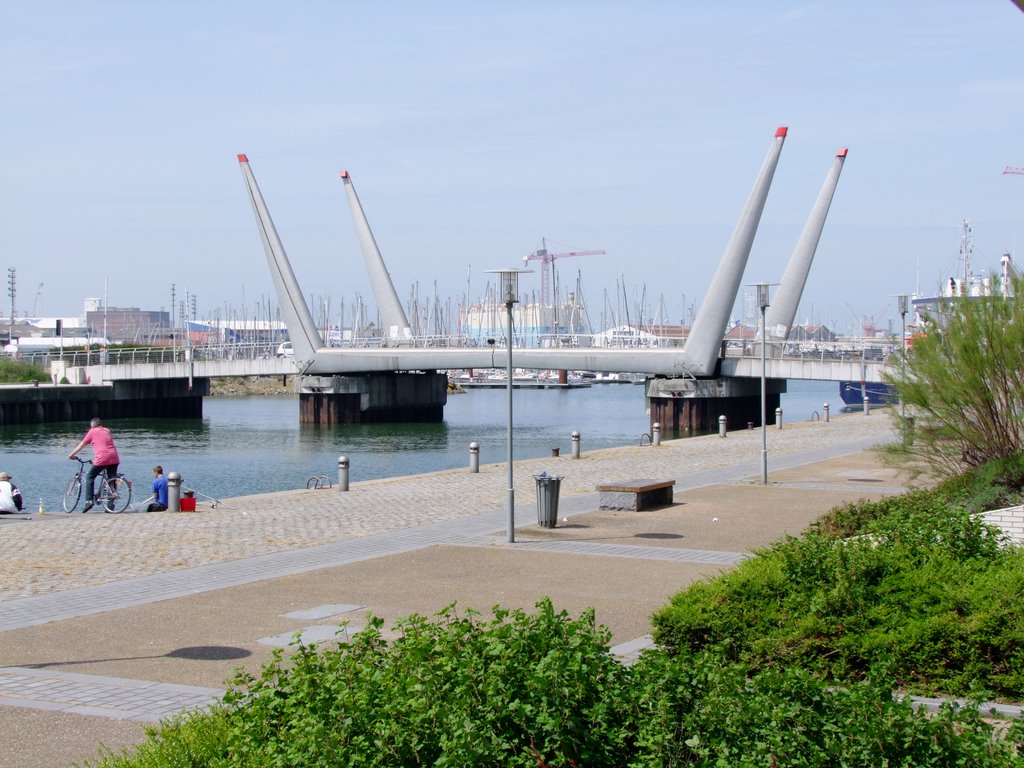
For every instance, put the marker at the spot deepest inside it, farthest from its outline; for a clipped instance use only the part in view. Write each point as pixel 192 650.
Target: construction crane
pixel 867 322
pixel 1011 169
pixel 35 303
pixel 547 258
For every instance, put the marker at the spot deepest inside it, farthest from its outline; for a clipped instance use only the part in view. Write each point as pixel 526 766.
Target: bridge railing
pixel 846 350
pixel 841 350
pixel 122 355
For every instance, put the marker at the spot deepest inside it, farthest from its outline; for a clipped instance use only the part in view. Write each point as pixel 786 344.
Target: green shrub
pixel 922 587
pixel 518 690
pixel 189 741
pixel 706 713
pixel 18 371
pixel 996 484
pixel 542 690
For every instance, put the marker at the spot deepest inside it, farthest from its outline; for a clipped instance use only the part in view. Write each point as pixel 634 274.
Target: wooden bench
pixel 635 494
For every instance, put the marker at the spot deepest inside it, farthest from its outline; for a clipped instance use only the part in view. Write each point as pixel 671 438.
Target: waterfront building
pixel 127 324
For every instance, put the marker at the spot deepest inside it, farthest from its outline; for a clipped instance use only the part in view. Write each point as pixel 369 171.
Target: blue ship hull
pixel 853 392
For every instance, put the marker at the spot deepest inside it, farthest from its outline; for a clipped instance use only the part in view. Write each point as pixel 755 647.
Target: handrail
pixel 846 349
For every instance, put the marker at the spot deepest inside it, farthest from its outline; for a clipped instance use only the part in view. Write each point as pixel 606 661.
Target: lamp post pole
pixel 509 292
pixel 510 503
pixel 904 304
pixel 12 290
pixel 762 300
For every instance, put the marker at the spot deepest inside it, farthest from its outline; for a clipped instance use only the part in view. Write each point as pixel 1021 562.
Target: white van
pixel 285 350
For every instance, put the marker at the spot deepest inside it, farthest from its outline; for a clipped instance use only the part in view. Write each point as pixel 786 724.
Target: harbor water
pixel 256 444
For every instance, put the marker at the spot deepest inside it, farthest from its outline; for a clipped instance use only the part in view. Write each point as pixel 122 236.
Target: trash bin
pixel 547 499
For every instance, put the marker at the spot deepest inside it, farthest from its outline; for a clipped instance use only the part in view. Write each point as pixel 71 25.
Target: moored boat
pixel 854 392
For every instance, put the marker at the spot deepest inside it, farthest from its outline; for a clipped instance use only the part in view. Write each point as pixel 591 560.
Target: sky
pixel 473 130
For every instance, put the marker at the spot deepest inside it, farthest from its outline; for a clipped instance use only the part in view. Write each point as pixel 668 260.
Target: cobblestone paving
pixel 56 552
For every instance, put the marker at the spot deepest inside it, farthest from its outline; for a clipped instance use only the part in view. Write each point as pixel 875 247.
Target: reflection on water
pixel 256 445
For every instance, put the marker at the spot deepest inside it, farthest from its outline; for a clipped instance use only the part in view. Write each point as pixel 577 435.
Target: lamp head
pixel 762 295
pixel 509 286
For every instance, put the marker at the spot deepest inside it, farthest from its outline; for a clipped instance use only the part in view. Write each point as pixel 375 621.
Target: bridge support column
pixel 373 398
pixel 691 407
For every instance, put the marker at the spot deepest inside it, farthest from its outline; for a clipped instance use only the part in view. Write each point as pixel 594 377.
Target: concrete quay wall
pixel 155 398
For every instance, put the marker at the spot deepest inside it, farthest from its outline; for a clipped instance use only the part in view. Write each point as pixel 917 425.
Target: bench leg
pixel 662 497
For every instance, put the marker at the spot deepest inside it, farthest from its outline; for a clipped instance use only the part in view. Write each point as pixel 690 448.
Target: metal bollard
pixel 723 424
pixel 778 418
pixel 342 473
pixel 173 492
pixel 867 409
pixel 554 453
pixel 575 438
pixel 474 457
pixel 825 408
pixel 656 433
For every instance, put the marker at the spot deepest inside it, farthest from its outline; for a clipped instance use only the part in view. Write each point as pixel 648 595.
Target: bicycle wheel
pixel 72 494
pixel 117 495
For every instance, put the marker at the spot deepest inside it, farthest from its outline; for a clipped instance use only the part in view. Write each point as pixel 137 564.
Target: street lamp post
pixel 12 290
pixel 762 301
pixel 904 305
pixel 510 295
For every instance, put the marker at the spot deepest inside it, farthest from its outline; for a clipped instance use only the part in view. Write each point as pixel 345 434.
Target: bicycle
pixel 112 494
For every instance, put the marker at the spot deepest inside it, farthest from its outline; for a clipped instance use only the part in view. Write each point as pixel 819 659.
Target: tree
pixel 961 383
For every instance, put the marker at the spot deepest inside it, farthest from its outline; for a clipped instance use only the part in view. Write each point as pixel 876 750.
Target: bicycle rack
pixel 319 481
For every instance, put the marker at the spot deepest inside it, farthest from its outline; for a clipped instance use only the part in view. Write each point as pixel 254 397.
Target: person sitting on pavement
pixel 10 496
pixel 104 457
pixel 159 489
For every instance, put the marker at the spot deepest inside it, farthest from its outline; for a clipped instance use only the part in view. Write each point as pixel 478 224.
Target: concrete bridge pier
pixel 373 398
pixel 690 407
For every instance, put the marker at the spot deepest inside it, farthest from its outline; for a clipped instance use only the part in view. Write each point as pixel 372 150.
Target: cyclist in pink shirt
pixel 104 456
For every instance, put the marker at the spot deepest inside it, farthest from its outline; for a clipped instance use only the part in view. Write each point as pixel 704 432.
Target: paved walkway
pixel 77 550
pixel 108 621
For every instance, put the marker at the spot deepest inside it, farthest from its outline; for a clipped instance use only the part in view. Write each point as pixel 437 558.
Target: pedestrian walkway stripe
pixel 663 554
pixel 114 697
pixel 323 611
pixel 887 490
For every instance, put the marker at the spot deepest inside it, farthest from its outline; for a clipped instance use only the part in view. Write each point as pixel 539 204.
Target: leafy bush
pixel 962 383
pixel 996 484
pixel 702 712
pixel 518 690
pixel 18 371
pixel 920 586
pixel 196 740
pixel 542 690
